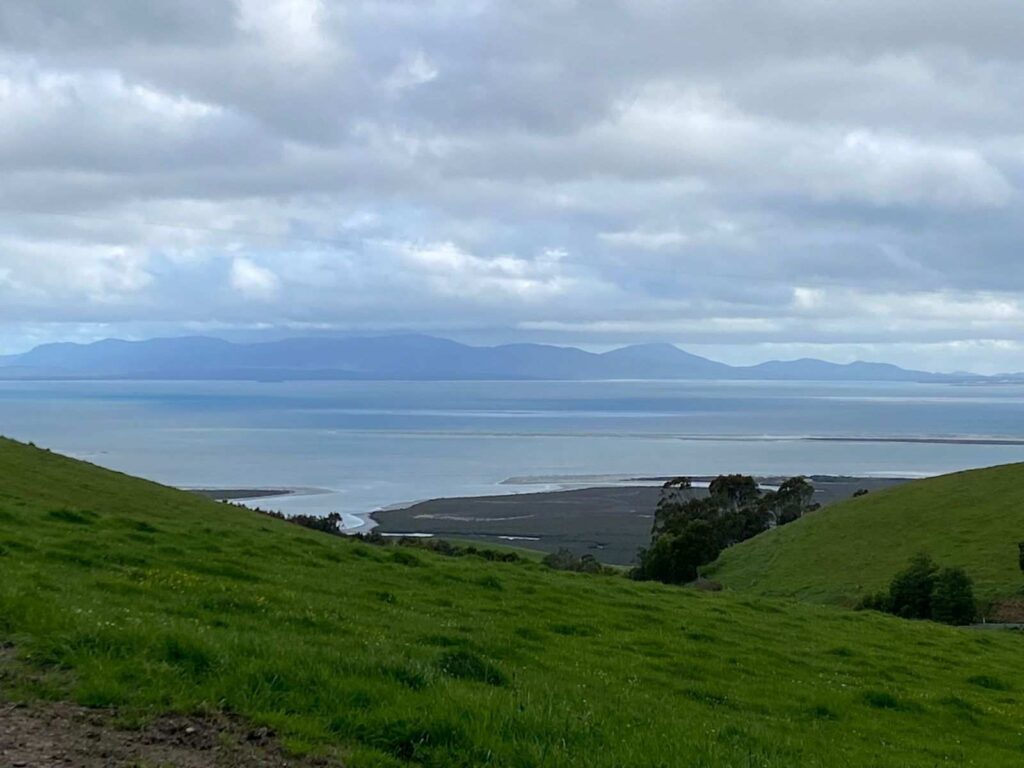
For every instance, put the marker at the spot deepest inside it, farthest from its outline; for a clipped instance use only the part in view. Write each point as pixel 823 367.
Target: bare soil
pixel 59 735
pixel 1008 612
pixel 54 735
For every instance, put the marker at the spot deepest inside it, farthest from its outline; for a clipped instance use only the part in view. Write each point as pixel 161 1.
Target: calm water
pixel 372 444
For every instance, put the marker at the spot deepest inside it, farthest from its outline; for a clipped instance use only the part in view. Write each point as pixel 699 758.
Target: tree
pixel 911 591
pixel 673 500
pixel 953 597
pixel 791 501
pixel 674 514
pixel 734 491
pixel 795 496
pixel 689 532
pixel 1020 555
pixel 745 523
pixel 674 557
pixel 681 482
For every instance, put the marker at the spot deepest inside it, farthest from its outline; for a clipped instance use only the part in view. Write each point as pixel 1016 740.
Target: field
pixel 971 519
pixel 119 593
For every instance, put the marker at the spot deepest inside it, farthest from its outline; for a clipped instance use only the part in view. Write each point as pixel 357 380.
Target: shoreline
pixel 241 494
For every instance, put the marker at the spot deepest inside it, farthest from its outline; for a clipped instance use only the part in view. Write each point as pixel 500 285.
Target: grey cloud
pixel 713 172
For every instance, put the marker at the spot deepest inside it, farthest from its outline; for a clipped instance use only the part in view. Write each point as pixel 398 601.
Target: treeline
pixel 691 531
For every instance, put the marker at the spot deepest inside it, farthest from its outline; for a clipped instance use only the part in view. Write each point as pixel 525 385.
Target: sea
pixel 357 447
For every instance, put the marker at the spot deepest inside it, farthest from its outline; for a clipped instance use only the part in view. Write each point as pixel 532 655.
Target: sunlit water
pixel 371 444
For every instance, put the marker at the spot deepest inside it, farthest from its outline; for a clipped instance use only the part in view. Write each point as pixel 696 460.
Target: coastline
pixel 241 494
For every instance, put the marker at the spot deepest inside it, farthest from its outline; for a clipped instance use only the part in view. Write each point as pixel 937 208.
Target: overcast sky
pixel 746 179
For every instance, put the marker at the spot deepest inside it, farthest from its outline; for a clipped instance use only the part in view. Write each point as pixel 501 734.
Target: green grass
pixel 971 519
pixel 115 591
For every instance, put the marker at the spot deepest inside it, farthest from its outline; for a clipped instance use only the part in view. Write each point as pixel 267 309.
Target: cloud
pixel 252 280
pixel 290 30
pixel 646 240
pixel 742 176
pixel 414 69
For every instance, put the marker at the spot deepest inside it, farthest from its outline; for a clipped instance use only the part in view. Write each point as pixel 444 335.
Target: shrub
pixel 910 593
pixel 565 560
pixel 922 591
pixel 562 560
pixel 879 601
pixel 953 597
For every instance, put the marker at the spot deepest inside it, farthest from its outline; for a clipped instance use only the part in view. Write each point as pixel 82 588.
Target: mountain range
pixel 415 357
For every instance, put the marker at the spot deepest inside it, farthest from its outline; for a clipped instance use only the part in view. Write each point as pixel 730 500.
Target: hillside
pixel 119 592
pixel 409 357
pixel 972 519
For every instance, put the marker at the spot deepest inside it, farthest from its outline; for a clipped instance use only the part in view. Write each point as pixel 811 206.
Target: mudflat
pixel 611 523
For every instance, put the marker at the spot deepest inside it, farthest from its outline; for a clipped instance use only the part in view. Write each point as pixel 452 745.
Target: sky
pixel 749 180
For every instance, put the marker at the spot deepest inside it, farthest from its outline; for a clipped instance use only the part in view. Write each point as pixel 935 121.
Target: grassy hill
pixel 972 519
pixel 116 591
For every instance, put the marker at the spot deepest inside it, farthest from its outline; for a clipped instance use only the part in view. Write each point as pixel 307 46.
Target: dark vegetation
pixel 925 591
pixel 689 532
pixel 565 560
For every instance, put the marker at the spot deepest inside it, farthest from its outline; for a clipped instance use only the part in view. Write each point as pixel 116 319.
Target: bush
pixel 922 591
pixel 910 593
pixel 879 601
pixel 565 560
pixel 953 597
pixel 562 560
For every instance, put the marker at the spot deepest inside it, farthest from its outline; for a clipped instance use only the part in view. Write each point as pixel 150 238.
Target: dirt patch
pixel 61 735
pixel 1007 612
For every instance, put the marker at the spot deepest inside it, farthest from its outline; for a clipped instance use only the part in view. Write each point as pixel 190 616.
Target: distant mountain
pixel 414 357
pixel 809 369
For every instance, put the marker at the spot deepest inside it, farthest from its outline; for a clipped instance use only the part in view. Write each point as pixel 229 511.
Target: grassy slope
pixel 119 592
pixel 971 519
